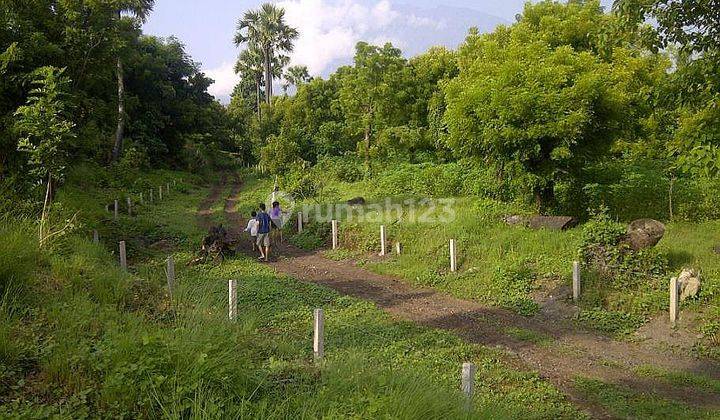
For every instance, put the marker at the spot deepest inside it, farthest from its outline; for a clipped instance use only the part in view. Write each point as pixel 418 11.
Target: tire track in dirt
pixel 572 352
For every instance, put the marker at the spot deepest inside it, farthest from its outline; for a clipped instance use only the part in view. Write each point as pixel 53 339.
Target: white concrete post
pixel 674 301
pixel 117 209
pixel 319 336
pixel 453 256
pixel 232 299
pixel 129 206
pixel 334 234
pixel 398 248
pixel 170 274
pixel 96 237
pixel 382 241
pixel 468 381
pixel 160 193
pixel 576 281
pixel 123 256
pixel 300 222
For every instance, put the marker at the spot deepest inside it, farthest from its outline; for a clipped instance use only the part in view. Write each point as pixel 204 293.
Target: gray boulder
pixel 542 222
pixel 644 233
pixel 688 283
pixel 552 222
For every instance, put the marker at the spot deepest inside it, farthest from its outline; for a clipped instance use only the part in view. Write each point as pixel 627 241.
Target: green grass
pixel 89 340
pixel 529 336
pixel 620 402
pixel 683 379
pixel 502 265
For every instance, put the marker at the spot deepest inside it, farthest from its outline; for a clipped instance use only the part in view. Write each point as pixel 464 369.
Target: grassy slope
pixel 503 266
pixel 82 338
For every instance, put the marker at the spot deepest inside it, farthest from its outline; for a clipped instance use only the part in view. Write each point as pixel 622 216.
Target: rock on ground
pixel 644 233
pixel 540 222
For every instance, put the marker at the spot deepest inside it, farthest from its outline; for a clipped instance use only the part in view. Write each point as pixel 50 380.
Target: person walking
pixel 276 216
pixel 252 229
pixel 263 233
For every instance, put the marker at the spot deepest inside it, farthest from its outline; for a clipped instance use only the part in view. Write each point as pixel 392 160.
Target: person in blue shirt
pixel 263 233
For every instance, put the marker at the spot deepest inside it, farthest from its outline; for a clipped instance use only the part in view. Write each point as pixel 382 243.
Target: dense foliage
pixel 568 109
pixel 59 92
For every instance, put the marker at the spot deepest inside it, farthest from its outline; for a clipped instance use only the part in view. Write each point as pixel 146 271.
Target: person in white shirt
pixel 252 229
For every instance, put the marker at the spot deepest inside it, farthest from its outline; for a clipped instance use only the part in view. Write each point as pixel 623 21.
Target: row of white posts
pixel 468 369
pixel 122 246
pixel 151 196
pixel 576 284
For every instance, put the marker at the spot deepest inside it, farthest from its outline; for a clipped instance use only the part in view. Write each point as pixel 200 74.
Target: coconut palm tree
pixel 266 29
pixel 249 66
pixel 136 9
pixel 295 76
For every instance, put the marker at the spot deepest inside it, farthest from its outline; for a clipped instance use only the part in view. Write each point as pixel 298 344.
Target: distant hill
pixel 437 25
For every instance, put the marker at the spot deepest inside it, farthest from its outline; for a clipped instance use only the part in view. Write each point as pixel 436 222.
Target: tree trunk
pixel 670 196
pixel 120 131
pixel 367 147
pixel 46 209
pixel 268 77
pixel 257 92
pixel 544 198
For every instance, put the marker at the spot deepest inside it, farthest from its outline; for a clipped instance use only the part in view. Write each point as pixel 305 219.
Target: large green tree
pixel 266 29
pixel 542 94
pixel 249 67
pixel 688 102
pixel 371 94
pixel 135 10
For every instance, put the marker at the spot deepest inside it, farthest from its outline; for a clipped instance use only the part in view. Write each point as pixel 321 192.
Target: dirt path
pixel 568 353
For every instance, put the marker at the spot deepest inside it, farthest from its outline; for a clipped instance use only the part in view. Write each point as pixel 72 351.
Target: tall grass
pixel 99 341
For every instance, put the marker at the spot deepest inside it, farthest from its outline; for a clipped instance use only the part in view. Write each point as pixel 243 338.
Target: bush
pixel 19 257
pixel 313 236
pixel 343 169
pixel 603 249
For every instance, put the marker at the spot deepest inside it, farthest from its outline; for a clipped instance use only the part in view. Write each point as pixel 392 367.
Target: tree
pixel 45 130
pixel 295 76
pixel 371 94
pixel 692 24
pixel 250 67
pixel 546 99
pixel 689 100
pixel 137 9
pixel 267 30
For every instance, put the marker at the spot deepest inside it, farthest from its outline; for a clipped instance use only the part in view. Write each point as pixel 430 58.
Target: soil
pixel 570 352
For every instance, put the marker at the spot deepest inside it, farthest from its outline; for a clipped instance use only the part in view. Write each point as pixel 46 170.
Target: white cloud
pixel 225 80
pixel 329 30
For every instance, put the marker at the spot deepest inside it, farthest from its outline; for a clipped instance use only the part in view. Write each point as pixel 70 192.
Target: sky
pixel 329 29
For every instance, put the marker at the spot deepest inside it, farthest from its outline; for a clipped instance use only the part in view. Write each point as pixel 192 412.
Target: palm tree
pixel 266 29
pixel 295 76
pixel 250 67
pixel 138 9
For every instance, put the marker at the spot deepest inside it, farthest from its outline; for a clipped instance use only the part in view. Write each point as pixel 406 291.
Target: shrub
pixel 313 236
pixel 603 249
pixel 19 257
